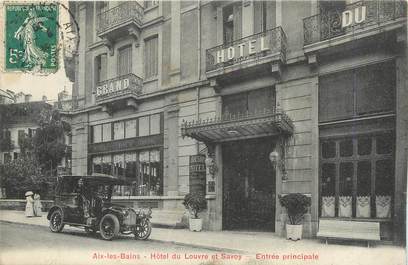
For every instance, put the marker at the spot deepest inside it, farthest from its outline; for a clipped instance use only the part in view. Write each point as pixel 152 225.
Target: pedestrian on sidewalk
pixel 37 204
pixel 29 209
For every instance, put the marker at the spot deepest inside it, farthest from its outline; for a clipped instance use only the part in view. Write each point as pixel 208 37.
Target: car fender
pixel 52 209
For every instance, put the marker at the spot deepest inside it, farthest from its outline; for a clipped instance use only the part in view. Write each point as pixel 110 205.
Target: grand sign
pixel 119 85
pixel 255 46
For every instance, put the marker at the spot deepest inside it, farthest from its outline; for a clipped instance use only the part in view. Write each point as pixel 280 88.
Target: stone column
pixel 80 136
pixel 175 41
pixel 171 133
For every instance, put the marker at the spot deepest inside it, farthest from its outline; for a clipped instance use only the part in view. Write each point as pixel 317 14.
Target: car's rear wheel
pixel 56 221
pixel 109 226
pixel 143 230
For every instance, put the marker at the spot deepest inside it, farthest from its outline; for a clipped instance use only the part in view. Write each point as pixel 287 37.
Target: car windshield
pixel 103 191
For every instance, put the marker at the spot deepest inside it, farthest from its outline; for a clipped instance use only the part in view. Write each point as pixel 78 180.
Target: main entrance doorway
pixel 248 185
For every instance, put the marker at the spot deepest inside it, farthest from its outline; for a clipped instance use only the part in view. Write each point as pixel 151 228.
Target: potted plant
pixel 296 205
pixel 195 203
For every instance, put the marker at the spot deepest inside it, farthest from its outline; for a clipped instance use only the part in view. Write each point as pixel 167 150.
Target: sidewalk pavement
pixel 251 243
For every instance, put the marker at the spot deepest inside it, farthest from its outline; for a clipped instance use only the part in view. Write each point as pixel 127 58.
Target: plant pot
pixel 196 224
pixel 294 232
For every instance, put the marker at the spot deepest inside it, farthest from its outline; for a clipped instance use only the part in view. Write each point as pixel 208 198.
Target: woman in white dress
pixel 37 204
pixel 29 209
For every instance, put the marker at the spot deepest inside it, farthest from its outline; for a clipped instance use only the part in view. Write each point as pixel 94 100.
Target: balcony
pixel 267 48
pixel 355 21
pixel 240 126
pixel 122 20
pixel 112 93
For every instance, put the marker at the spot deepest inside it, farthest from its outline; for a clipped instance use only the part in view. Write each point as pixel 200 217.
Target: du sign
pixel 351 17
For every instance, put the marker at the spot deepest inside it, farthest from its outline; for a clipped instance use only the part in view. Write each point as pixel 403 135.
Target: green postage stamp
pixel 31 42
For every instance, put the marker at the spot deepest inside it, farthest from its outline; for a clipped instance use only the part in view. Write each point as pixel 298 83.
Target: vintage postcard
pixel 203 132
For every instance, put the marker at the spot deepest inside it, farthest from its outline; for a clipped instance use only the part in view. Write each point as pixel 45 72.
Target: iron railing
pixel 127 11
pixel 275 40
pixel 328 24
pixel 135 87
pixel 276 115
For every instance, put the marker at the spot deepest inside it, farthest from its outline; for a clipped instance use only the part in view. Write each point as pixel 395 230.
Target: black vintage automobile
pixel 85 201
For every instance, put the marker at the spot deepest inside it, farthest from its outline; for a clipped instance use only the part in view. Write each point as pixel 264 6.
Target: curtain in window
pixel 130 128
pixel 118 130
pixel 106 132
pixel 151 57
pixel 345 209
pixel 363 208
pixel 97 133
pixel 328 206
pixel 383 206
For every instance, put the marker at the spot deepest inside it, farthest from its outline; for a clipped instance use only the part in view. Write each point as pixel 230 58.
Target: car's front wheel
pixel 109 226
pixel 143 230
pixel 56 221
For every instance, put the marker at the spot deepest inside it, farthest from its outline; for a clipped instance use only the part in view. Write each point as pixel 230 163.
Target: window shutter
pixel 258 16
pixel 125 61
pixel 151 57
pixel 237 21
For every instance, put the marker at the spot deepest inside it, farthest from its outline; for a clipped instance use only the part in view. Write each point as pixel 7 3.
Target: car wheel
pixel 143 230
pixel 56 221
pixel 109 226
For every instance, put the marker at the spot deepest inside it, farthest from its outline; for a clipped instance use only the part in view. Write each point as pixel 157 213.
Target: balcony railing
pixel 125 12
pixel 118 87
pixel 329 24
pixel 266 43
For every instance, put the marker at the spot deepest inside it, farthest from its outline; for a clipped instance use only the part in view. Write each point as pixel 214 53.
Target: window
pixel 362 169
pixel 155 124
pixel 144 126
pixel 150 3
pixel 15 155
pixel 125 61
pixel 7 157
pixel 151 57
pixel 130 128
pixel 260 16
pixel 143 169
pixel 251 102
pixel 118 130
pixel 101 64
pixel 21 136
pixel 97 133
pixel 232 22
pixel 352 93
pixel 106 132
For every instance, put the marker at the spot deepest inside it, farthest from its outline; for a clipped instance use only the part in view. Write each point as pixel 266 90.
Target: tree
pixel 49 141
pixel 19 176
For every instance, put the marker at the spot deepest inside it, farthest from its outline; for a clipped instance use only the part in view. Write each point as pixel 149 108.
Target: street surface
pixel 27 244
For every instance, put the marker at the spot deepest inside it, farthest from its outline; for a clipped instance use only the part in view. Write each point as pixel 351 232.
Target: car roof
pixel 102 178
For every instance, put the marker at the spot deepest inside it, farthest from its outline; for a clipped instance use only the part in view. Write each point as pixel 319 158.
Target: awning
pixel 229 128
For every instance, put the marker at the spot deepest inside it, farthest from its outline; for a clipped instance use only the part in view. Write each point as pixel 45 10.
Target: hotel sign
pixel 253 47
pixel 353 17
pixel 119 85
pixel 197 174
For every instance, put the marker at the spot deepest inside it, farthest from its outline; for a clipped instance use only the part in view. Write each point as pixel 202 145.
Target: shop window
pixel 346 148
pixel 364 146
pixel 21 136
pixel 97 164
pixel 144 126
pixel 357 92
pixel 329 149
pixel 130 128
pixel 151 57
pixel 107 164
pixel 328 179
pixel 118 130
pixel 363 169
pixel 125 61
pixel 106 132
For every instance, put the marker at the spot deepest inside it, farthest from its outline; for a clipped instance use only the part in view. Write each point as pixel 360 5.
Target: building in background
pixel 161 87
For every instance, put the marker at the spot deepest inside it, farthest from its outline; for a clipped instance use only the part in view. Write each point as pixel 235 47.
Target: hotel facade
pixel 245 101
